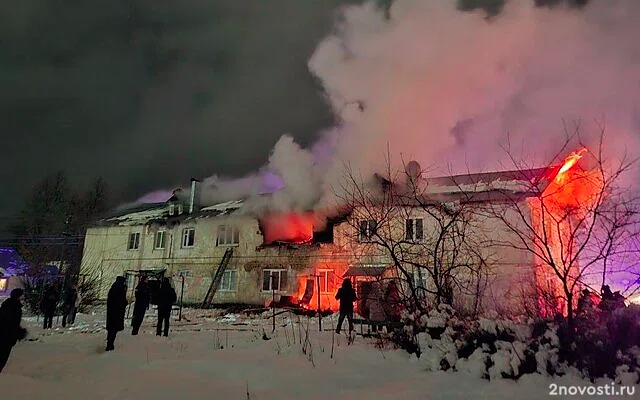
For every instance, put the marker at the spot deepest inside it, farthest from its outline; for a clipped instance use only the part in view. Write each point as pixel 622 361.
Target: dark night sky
pixel 148 93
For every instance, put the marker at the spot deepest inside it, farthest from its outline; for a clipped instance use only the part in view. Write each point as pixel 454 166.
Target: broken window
pixel 159 241
pixel 274 280
pixel 134 241
pixel 188 237
pixel 368 228
pixel 229 281
pixel 414 230
pixel 228 235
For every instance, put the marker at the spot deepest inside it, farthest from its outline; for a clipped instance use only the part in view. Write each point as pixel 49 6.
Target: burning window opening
pixel 288 227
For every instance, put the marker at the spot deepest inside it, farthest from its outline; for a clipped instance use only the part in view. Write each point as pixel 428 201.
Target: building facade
pixel 367 244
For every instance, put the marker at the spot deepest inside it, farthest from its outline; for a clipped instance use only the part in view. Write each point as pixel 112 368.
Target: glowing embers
pixel 289 227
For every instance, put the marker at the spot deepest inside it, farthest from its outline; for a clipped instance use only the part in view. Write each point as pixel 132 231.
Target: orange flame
pixel 571 160
pixel 289 227
pixel 566 200
pixel 330 273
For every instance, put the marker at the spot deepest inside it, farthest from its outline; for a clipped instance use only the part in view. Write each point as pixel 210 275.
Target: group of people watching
pixel 117 303
pixel 608 300
pixel 49 304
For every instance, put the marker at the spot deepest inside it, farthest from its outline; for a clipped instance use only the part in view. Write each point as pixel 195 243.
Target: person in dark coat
pixel 347 297
pixel 166 298
pixel 10 329
pixel 69 305
pixel 48 306
pixel 116 306
pixel 143 295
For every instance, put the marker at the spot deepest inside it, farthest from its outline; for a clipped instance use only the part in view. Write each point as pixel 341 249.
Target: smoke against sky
pixel 149 95
pixel 451 89
pixel 445 87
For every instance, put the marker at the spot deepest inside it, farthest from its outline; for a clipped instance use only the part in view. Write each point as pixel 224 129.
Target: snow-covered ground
pixel 213 356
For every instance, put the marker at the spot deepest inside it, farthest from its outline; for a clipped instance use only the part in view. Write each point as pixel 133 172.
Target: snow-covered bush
pixel 599 345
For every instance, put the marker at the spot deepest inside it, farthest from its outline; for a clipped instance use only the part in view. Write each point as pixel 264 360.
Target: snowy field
pixel 211 356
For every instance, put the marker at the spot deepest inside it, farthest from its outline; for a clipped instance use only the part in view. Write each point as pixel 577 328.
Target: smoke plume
pixel 451 89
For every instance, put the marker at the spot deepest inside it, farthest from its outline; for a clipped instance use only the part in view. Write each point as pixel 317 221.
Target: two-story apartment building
pixel 189 243
pixel 367 242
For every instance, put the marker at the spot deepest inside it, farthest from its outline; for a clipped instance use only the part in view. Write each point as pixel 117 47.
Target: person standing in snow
pixel 347 297
pixel 375 302
pixel 10 329
pixel 393 302
pixel 166 298
pixel 141 305
pixel 116 306
pixel 48 306
pixel 69 305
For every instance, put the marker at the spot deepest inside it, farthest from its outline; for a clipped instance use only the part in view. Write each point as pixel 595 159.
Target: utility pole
pixel 273 301
pixel 181 295
pixel 319 313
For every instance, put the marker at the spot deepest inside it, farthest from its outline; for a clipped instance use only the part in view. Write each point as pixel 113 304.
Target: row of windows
pixel 276 280
pixel 273 280
pixel 414 229
pixel 227 236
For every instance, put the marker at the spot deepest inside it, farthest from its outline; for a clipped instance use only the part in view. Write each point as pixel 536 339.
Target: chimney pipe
pixel 194 196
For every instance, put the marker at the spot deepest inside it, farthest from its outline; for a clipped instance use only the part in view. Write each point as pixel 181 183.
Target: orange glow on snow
pixel 288 227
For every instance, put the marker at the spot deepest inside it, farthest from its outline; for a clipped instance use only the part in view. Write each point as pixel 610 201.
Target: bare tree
pixel 577 218
pixel 434 241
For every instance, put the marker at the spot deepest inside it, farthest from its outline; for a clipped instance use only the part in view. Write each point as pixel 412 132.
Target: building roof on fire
pixel 478 187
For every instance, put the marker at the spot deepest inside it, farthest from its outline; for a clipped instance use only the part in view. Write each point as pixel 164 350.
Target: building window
pixel 229 281
pixel 188 237
pixel 326 280
pixel 420 283
pixel 160 239
pixel 134 241
pixel 176 209
pixel 228 235
pixel 274 279
pixel 368 228
pixel 414 229
pixel 3 284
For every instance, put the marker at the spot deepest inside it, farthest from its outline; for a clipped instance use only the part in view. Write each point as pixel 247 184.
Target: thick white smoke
pixel 447 88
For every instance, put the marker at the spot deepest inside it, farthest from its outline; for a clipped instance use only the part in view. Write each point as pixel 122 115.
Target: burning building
pixel 217 254
pixel 225 254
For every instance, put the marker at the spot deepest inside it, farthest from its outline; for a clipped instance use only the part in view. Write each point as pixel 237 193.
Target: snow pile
pixel 501 349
